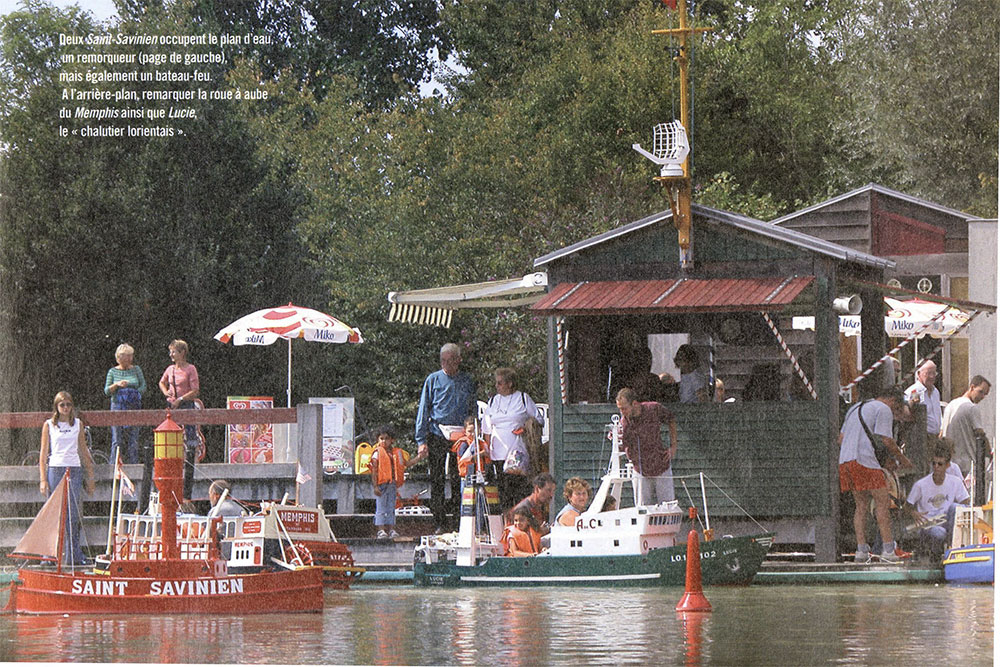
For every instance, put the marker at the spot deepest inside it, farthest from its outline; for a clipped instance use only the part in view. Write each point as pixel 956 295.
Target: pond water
pixel 757 625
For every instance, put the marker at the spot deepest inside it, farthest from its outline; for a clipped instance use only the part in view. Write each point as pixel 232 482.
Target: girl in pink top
pixel 179 382
pixel 180 387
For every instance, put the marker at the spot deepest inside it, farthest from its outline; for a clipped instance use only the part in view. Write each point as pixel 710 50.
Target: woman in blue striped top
pixel 125 384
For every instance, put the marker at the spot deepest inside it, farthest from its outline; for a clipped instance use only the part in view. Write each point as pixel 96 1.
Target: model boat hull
pixel 728 560
pixel 969 565
pixel 40 591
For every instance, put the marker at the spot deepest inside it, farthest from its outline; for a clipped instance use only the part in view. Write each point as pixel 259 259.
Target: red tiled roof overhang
pixel 683 295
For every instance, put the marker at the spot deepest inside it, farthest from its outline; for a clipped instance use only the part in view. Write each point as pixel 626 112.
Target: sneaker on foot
pixel 381 535
pixel 903 554
pixel 393 534
pixel 862 556
pixel 890 557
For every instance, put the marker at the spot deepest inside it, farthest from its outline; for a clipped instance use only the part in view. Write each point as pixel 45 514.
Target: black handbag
pixel 882 454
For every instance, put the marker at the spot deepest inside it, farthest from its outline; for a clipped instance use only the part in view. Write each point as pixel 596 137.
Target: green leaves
pixel 920 80
pixel 345 184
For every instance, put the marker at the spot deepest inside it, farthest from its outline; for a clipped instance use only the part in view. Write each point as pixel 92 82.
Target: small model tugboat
pixel 970 558
pixel 632 546
pixel 279 535
pixel 173 571
pixel 293 534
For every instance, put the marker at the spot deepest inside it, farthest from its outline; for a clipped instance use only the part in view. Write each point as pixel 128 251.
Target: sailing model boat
pixel 170 572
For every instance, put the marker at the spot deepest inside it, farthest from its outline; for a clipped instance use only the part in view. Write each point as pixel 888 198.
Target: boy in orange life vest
pixel 519 538
pixel 387 465
pixel 472 453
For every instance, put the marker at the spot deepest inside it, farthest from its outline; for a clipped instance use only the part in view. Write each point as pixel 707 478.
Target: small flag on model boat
pixel 127 486
pixel 302 476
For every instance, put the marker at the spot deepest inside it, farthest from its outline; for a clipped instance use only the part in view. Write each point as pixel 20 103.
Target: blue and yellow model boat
pixel 970 558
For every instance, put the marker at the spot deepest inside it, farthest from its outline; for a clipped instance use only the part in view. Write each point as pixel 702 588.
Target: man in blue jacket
pixel 447 398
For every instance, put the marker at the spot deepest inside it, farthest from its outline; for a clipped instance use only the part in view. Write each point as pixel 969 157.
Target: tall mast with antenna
pixel 678 186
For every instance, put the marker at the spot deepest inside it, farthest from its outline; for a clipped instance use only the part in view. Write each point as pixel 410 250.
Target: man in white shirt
pixel 932 503
pixel 860 472
pixel 962 423
pixel 223 506
pixel 924 392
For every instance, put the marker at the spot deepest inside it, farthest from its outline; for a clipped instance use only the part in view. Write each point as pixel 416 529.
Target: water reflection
pixel 400 625
pixel 163 639
pixel 692 622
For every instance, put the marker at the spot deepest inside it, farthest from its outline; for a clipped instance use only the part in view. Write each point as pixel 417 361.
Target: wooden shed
pixel 929 244
pixel 612 297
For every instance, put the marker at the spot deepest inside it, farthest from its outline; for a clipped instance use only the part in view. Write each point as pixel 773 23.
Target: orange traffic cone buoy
pixel 694 599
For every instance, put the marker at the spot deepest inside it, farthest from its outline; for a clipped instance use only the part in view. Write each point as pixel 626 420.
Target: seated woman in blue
pixel 577 493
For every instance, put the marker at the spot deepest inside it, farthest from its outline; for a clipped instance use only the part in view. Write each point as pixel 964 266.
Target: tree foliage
pixel 386 47
pixel 920 82
pixel 345 183
pixel 137 240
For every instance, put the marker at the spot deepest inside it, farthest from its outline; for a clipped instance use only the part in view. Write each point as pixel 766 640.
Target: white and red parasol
pixel 266 326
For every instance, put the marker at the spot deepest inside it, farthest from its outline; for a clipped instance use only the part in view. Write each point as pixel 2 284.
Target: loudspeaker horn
pixel 847 305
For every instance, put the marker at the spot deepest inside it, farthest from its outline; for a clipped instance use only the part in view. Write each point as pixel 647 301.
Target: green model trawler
pixel 634 546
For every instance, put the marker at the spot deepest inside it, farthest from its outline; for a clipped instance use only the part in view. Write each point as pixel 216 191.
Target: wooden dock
pixel 784 572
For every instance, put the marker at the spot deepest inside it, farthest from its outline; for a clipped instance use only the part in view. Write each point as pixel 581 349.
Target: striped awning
pixel 435 306
pixel 683 295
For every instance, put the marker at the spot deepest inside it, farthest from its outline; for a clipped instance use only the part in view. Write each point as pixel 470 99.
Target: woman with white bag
pixel 504 420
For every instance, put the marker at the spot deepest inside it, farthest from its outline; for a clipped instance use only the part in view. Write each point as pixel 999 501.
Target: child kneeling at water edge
pixel 387 466
pixel 519 538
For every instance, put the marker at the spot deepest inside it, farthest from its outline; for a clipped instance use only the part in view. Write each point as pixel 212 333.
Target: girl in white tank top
pixel 64 443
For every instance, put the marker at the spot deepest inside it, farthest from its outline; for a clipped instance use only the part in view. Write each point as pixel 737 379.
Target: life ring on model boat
pixel 299 555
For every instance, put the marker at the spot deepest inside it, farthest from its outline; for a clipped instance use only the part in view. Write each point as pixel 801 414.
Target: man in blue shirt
pixel 448 397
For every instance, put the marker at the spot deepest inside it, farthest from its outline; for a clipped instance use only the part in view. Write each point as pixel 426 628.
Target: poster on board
pixel 249 443
pixel 338 434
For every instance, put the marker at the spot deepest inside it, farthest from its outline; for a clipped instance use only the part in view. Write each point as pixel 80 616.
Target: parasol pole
pixel 289 390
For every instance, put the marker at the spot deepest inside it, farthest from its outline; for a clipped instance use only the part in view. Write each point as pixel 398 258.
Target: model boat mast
pixel 671 148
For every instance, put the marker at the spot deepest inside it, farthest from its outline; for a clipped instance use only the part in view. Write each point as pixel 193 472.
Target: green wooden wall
pixel 770 458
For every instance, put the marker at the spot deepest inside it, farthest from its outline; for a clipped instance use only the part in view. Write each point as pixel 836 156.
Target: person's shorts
pixel 856 477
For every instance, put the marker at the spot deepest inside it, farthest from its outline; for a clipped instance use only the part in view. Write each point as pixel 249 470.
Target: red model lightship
pixel 166 574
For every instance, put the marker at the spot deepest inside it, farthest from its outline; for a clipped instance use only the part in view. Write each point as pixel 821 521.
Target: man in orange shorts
pixel 860 472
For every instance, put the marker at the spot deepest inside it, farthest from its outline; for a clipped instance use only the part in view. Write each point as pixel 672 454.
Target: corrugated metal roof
pixel 604 236
pixel 765 229
pixel 684 295
pixel 882 190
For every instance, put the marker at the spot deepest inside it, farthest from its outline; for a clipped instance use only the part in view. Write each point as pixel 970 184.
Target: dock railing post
pixel 309 417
